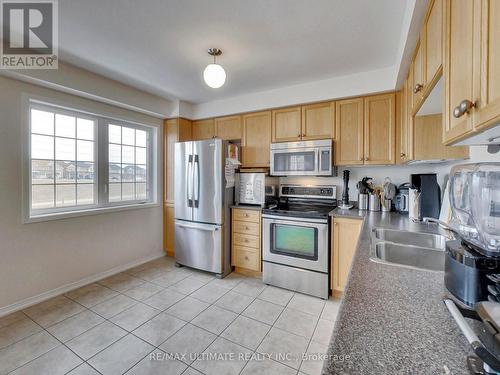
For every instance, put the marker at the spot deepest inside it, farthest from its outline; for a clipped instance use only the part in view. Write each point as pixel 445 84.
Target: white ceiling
pixel 160 45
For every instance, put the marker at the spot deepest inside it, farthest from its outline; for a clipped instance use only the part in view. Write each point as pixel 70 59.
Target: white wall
pixel 39 257
pixel 398 174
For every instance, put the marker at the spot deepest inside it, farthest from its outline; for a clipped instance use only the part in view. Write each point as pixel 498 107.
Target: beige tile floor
pixel 127 323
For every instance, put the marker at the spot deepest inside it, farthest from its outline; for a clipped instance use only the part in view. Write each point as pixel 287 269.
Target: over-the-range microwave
pixel 305 158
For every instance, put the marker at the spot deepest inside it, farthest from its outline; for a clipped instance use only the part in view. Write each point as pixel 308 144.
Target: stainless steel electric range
pixel 295 237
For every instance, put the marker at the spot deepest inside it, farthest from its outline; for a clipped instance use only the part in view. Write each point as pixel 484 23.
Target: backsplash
pixel 397 173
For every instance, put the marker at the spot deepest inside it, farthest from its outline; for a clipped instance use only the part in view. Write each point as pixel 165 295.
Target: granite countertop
pixel 392 319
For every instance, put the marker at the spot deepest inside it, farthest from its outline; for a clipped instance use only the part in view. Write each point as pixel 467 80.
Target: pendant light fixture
pixel 214 74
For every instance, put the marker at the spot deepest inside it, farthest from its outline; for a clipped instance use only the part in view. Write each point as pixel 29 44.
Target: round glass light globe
pixel 214 75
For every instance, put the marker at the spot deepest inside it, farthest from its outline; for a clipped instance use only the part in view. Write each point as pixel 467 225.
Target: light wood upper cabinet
pixel 458 64
pixel 427 142
pixel 345 234
pixel 487 71
pixel 349 132
pixel 203 129
pixel 418 73
pixel 400 122
pixel 286 124
pixel 318 121
pixel 256 140
pixel 434 42
pixel 228 127
pixel 380 129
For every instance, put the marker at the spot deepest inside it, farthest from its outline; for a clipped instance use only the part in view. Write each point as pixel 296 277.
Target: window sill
pixel 88 212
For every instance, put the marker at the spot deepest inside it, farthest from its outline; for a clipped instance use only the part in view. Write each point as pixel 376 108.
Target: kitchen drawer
pixel 246 215
pixel 248 240
pixel 246 227
pixel 246 258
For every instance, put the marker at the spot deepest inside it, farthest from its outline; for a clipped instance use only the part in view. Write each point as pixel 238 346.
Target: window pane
pixel 42 122
pixel 140 190
pixel 115 172
pixel 140 173
pixel 128 192
pixel 115 153
pixel 115 192
pixel 127 154
pixel 42 147
pixel 85 151
pixel 85 194
pixel 140 138
pixel 65 172
pixel 85 172
pixel 115 134
pixel 65 195
pixel 140 155
pixel 84 129
pixel 42 196
pixel 128 136
pixel 128 173
pixel 42 172
pixel 65 126
pixel 65 149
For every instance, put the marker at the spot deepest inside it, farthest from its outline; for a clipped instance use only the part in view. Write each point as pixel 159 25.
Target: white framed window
pixel 80 162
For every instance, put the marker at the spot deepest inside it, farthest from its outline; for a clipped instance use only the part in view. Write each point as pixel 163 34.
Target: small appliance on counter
pixel 473 260
pixel 388 195
pixel 402 198
pixel 255 188
pixel 364 188
pixel 424 196
pixel 345 193
pixel 487 358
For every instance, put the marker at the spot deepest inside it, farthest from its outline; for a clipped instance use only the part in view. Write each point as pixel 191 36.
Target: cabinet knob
pixel 298 135
pixel 402 155
pixel 360 159
pixel 247 228
pixel 303 135
pixel 418 87
pixel 464 107
pixel 367 158
pixel 246 258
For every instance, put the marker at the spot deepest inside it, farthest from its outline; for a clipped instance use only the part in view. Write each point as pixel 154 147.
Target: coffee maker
pixel 424 196
pixel 472 262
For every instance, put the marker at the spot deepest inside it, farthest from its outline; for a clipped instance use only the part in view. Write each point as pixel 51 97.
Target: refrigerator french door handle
pixel 189 181
pixel 197 181
pixel 207 228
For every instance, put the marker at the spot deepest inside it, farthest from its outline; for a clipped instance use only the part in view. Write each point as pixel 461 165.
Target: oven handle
pixel 288 219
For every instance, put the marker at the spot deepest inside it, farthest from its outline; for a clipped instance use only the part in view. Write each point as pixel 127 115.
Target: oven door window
pixel 301 161
pixel 294 241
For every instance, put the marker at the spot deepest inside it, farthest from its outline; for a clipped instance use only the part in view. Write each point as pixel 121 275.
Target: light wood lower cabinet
pixel 345 233
pixel 246 251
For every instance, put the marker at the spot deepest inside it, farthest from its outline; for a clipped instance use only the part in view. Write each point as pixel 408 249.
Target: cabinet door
pixel 318 121
pixel 228 127
pixel 418 73
pixel 349 131
pixel 434 42
pixel 458 65
pixel 286 125
pixel 344 242
pixel 487 52
pixel 380 129
pixel 168 229
pixel 170 136
pixel 203 129
pixel 256 140
pixel 401 125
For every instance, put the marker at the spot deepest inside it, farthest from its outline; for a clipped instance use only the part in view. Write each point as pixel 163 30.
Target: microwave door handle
pixel 189 181
pixel 197 181
pixel 317 167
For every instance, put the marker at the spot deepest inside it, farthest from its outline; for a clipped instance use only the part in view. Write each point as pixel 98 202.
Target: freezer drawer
pixel 199 246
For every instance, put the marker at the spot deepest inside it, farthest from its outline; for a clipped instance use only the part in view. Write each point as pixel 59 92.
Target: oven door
pixel 294 162
pixel 296 242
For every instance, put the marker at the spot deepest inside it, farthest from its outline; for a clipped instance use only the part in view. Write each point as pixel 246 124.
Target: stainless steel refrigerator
pixel 202 203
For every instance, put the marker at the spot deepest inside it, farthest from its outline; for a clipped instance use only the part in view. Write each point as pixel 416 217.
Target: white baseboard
pixel 30 301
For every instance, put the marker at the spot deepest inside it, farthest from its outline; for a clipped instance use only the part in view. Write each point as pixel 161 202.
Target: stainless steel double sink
pixel 416 250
